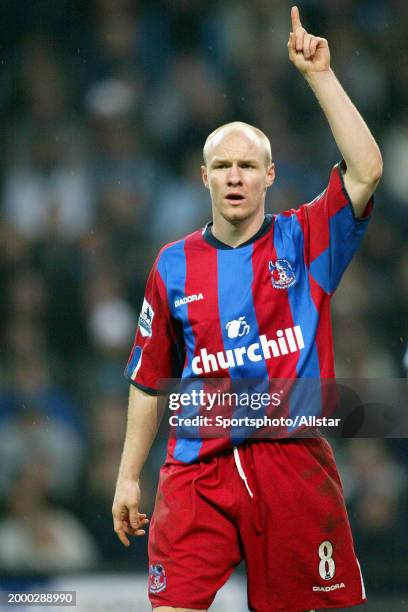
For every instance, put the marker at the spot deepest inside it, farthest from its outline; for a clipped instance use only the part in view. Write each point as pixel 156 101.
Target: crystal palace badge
pixel 157 578
pixel 282 274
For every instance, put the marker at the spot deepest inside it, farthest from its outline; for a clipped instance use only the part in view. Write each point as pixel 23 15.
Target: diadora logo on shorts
pixel 282 274
pixel 238 327
pixel 332 587
pixel 189 298
pixel 146 319
pixel 157 578
pixel 289 340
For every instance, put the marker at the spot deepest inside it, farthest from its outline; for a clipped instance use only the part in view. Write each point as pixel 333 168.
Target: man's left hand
pixel 307 52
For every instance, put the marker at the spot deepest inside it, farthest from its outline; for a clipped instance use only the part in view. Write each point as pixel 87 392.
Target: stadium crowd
pixel 105 106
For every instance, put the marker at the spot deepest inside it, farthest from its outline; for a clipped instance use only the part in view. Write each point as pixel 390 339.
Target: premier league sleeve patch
pixel 157 578
pixel 282 274
pixel 146 319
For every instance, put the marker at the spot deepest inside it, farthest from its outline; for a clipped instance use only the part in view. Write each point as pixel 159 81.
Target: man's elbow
pixel 368 172
pixel 374 172
pixel 377 171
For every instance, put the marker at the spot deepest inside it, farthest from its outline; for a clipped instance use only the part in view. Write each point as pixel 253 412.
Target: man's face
pixel 237 175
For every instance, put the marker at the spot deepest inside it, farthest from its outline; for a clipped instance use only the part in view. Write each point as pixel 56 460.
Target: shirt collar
pixel 213 241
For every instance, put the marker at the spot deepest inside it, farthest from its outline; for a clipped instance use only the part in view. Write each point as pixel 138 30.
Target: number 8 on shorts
pixel 327 567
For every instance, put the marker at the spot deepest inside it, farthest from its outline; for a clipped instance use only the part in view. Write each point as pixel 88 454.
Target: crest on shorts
pixel 146 319
pixel 282 274
pixel 157 578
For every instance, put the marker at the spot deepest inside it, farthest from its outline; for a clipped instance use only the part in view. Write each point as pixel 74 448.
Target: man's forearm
pixel 354 139
pixel 142 425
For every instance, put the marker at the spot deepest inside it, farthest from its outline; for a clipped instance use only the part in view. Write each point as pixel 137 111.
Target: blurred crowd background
pixel 104 108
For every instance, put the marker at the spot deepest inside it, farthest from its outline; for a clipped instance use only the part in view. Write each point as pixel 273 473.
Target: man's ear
pixel 270 175
pixel 204 175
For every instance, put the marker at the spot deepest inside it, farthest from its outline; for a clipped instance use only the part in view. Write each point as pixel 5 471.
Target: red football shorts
pixel 287 520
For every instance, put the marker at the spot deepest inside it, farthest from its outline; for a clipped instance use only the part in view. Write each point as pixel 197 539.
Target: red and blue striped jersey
pixel 257 311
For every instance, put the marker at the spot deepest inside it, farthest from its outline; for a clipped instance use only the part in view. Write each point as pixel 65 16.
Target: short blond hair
pixel 240 125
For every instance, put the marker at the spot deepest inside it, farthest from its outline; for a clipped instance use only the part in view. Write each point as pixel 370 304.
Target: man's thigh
pixel 297 541
pixel 169 609
pixel 193 546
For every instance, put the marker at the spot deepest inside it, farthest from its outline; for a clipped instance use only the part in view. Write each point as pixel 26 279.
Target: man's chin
pixel 237 215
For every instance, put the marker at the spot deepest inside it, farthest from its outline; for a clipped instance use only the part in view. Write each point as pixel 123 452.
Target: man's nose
pixel 234 176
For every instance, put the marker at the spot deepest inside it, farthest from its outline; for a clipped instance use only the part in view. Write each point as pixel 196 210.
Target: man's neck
pixel 235 234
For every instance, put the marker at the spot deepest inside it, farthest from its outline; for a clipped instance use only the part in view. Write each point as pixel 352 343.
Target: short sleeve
pixel 332 232
pixel 155 354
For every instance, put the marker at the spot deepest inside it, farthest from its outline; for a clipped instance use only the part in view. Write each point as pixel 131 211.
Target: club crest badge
pixel 157 578
pixel 282 274
pixel 146 319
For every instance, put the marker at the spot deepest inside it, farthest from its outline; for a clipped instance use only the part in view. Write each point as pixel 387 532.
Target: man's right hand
pixel 127 519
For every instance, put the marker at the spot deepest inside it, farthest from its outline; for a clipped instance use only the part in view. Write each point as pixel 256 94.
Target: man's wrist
pixel 129 477
pixel 316 77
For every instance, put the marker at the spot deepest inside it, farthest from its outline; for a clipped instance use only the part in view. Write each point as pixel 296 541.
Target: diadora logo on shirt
pixel 189 298
pixel 282 274
pixel 289 340
pixel 146 319
pixel 237 327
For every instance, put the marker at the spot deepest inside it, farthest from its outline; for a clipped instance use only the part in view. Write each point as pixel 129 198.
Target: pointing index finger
pixel 296 23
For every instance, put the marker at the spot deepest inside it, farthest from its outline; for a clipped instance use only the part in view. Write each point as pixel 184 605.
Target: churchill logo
pixel 189 298
pixel 238 327
pixel 289 340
